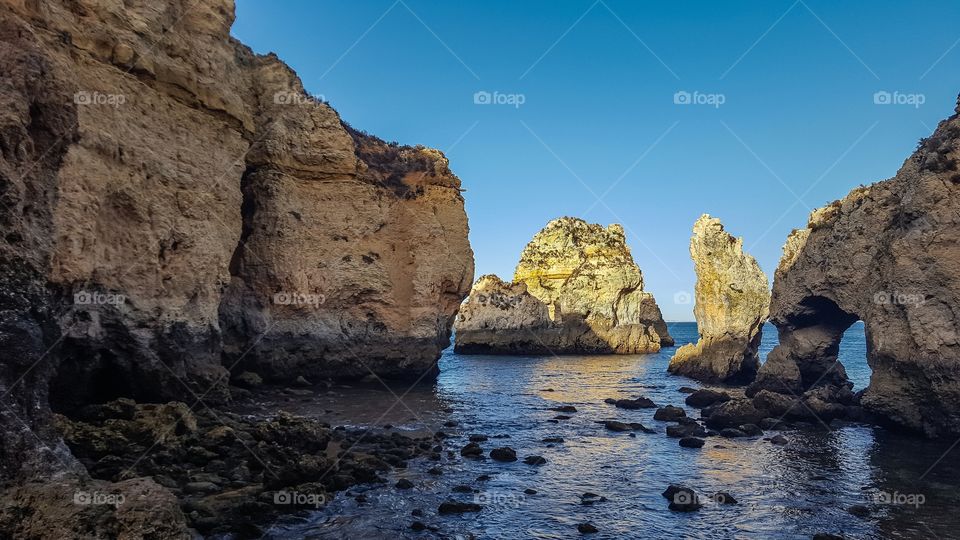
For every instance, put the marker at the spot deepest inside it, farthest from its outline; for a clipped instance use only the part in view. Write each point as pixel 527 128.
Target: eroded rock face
pixel 174 207
pixel 732 303
pixel 887 254
pixel 576 289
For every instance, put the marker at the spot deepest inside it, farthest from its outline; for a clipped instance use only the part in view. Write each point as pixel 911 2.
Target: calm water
pixel 791 491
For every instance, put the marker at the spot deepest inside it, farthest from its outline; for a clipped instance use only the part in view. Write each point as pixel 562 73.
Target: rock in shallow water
pixel 505 454
pixel 732 303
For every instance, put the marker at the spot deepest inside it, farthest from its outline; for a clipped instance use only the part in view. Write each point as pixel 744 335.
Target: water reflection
pixel 822 481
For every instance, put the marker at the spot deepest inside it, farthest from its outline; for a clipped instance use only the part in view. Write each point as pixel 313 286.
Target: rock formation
pixel 732 302
pixel 175 208
pixel 576 290
pixel 887 254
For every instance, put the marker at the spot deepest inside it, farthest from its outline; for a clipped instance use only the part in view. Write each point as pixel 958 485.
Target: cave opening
pixel 823 336
pixel 79 381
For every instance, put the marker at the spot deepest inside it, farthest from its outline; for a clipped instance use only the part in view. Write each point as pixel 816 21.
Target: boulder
pixel 732 303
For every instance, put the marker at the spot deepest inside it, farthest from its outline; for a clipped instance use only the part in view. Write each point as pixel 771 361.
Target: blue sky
pixel 787 119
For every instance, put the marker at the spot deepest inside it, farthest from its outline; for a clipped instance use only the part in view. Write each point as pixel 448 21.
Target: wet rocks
pixel 682 499
pixel 504 454
pixel 403 483
pixel 457 507
pixel 632 404
pixel 680 431
pixel 732 303
pixel 732 413
pixel 691 442
pixel 576 289
pixel 534 460
pixel 778 440
pixel 564 409
pixel 732 433
pixel 616 425
pixel 472 450
pixel 587 528
pixel 669 414
pixel 705 398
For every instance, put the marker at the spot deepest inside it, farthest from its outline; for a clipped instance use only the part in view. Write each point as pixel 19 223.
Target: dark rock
pixel 686 430
pixel 505 454
pixel 451 423
pixel 859 510
pixel 553 440
pixel 462 488
pixel 403 483
pixel 732 413
pixel 457 507
pixel 248 379
pixel 614 425
pixel 827 536
pixel 768 424
pixel 639 403
pixel 732 433
pixel 477 438
pixel 564 408
pixel 562 417
pixel 722 497
pixel 534 460
pixel 436 471
pixel 686 390
pixel 691 442
pixel 705 398
pixel 417 526
pixel 752 430
pixel 530 491
pixel 779 440
pixel 682 499
pixel 669 414
pixel 636 426
pixel 587 528
pixel 483 478
pixel 471 450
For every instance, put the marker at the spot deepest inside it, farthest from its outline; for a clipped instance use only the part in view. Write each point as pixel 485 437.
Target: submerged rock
pixel 732 303
pixel 576 289
pixel 705 398
pixel 885 254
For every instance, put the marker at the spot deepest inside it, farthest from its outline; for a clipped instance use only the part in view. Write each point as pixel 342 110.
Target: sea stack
pixel 887 254
pixel 576 290
pixel 732 303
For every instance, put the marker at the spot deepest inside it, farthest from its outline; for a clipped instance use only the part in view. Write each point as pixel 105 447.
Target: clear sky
pixel 587 123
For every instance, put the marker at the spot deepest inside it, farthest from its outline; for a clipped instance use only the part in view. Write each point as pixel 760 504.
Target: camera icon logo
pixel 682 298
pixel 882 98
pixel 682 98
pixel 282 497
pixel 482 98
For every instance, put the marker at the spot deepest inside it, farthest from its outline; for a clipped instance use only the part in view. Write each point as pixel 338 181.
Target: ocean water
pixel 858 481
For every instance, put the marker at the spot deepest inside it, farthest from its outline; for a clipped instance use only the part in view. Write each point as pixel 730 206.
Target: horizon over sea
pixel 852 480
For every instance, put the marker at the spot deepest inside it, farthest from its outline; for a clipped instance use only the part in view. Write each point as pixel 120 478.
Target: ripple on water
pixel 791 491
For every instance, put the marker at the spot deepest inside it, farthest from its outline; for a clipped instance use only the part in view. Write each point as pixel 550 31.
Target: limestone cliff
pixel 887 254
pixel 732 302
pixel 576 289
pixel 175 207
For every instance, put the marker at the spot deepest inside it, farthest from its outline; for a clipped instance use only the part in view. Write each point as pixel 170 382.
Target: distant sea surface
pixel 856 481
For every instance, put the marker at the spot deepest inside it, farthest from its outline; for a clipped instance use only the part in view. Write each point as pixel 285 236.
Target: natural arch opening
pixel 812 336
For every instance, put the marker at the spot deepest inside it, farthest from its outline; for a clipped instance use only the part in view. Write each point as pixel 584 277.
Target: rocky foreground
pixel 576 290
pixel 732 303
